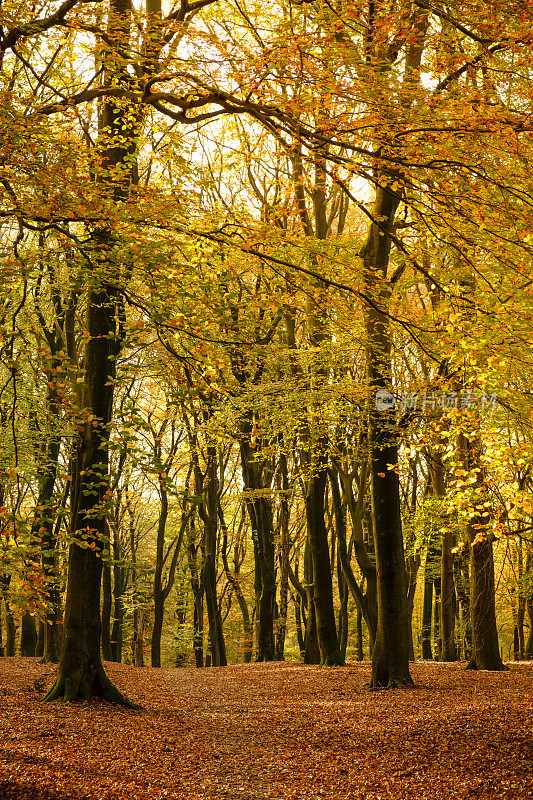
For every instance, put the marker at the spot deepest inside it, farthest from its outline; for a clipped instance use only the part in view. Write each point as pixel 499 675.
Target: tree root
pixel 501 667
pixel 83 688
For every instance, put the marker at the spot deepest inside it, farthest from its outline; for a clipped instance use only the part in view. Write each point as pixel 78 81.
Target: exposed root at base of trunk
pixel 83 688
pixel 393 683
pixel 496 666
pixel 332 662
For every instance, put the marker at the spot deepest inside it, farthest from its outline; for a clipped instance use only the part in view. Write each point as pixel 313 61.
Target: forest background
pixel 226 229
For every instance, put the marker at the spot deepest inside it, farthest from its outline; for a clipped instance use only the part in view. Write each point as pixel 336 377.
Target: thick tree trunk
pixel 39 647
pixel 81 673
pixel 28 636
pixel 485 645
pixel 390 657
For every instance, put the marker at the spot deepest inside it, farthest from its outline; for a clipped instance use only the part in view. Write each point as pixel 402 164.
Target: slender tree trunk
pixel 311 649
pixel 437 639
pixel 462 585
pixel 195 572
pixel 427 608
pixel 367 608
pixel 138 637
pixel 359 636
pixel 521 605
pixel 159 599
pixel 260 514
pixel 297 601
pixel 284 546
pixel 209 575
pixel 233 579
pixel 447 615
pixel 529 603
pixel 343 610
pixel 11 631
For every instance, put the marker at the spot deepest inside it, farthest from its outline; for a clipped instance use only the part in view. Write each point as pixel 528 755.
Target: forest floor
pixel 263 731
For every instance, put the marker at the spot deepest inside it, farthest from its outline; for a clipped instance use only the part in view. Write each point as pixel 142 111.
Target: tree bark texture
pixel 259 510
pixel 390 657
pixel 485 644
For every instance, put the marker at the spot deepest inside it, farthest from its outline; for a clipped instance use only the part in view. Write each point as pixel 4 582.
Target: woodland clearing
pixel 261 731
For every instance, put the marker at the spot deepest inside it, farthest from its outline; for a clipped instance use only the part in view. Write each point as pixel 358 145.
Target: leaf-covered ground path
pixel 255 732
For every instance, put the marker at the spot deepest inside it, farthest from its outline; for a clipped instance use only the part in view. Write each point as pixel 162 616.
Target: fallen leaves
pixel 264 731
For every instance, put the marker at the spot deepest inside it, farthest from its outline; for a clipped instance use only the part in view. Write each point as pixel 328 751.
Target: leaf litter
pixel 265 731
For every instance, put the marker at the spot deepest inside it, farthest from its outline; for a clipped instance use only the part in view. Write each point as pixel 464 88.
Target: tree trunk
pixel 437 640
pixel 318 544
pixel 138 637
pixel 311 648
pixel 427 608
pixel 529 603
pixel 362 602
pixel 81 673
pixel 198 593
pixel 209 575
pixel 260 514
pixel 485 645
pixel 359 636
pixel 233 579
pixel 284 546
pixel 343 609
pixel 159 598
pixel 11 632
pixel 107 601
pixel 390 657
pixel 447 615
pixel 39 647
pixel 297 600
pixel 28 636
pixel 462 585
